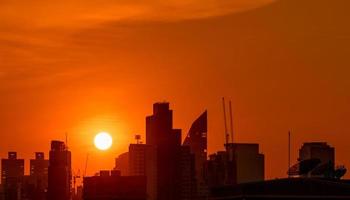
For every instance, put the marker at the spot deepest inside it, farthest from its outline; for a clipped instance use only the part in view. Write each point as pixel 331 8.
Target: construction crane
pixel 226 132
pixel 86 164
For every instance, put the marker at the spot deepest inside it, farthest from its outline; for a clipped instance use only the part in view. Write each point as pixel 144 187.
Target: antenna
pixel 231 121
pixel 288 153
pixel 224 108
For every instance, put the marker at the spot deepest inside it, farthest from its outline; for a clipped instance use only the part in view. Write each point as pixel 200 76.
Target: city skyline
pixel 65 67
pixel 198 128
pixel 166 167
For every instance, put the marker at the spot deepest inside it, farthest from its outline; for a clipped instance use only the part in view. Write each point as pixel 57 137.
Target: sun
pixel 103 141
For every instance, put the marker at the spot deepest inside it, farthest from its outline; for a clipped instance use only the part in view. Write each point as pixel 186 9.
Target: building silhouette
pixel 220 170
pixel 197 141
pixel 39 170
pixel 2 195
pixel 167 142
pixel 187 177
pixel 289 188
pixel 122 164
pixel 137 159
pixel 142 162
pixel 250 163
pixel 59 172
pixel 240 163
pixel 317 160
pixel 12 173
pixel 35 184
pixel 317 150
pixel 111 186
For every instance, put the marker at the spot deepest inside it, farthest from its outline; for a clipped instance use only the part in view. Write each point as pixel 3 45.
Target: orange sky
pixel 89 66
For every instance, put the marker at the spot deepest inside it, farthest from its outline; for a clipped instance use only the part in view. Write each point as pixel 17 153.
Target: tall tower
pixel 197 141
pixel 167 142
pixel 60 175
pixel 142 162
pixel 39 170
pixel 12 173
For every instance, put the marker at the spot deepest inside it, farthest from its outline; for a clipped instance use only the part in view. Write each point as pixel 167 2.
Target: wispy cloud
pixel 36 35
pixel 83 12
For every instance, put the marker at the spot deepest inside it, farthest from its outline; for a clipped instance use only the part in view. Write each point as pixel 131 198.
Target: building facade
pixel 142 162
pixel 317 150
pixel 39 170
pixel 240 163
pixel 59 172
pixel 112 186
pixel 122 163
pixel 12 174
pixel 197 141
pixel 250 163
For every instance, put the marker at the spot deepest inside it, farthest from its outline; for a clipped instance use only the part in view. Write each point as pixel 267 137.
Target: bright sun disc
pixel 103 141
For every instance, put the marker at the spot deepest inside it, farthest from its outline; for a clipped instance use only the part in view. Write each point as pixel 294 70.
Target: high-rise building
pixel 142 162
pixel 12 173
pixel 122 164
pixel 220 170
pixel 39 170
pixel 317 150
pixel 137 159
pixel 187 177
pixel 59 176
pixel 240 163
pixel 112 186
pixel 167 143
pixel 34 186
pixel 197 141
pixel 250 163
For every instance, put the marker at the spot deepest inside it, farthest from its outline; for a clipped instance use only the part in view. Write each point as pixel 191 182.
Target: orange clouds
pixel 76 66
pixel 82 12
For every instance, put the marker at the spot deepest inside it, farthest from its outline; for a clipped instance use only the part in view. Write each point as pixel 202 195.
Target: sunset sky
pixel 85 66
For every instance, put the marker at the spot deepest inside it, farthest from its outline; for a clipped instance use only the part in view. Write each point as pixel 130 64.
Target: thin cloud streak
pixel 72 13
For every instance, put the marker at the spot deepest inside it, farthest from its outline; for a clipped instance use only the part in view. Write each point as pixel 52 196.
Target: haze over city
pixel 85 67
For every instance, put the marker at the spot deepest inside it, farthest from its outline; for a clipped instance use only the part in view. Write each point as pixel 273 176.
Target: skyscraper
pixel 60 176
pixel 197 141
pixel 167 143
pixel 240 163
pixel 187 177
pixel 12 173
pixel 142 162
pixel 39 170
pixel 220 170
pixel 249 162
pixel 137 159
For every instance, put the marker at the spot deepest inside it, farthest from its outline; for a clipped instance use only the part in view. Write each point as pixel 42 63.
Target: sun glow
pixel 103 141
